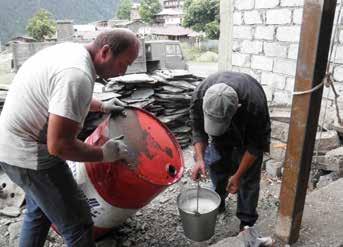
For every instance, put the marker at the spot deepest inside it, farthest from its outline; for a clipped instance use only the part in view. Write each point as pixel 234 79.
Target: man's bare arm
pixel 62 141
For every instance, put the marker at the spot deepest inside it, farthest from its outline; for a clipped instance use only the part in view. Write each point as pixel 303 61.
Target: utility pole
pixel 225 38
pixel 318 17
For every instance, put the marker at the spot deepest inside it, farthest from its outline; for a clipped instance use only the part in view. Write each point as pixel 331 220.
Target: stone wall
pixel 265 45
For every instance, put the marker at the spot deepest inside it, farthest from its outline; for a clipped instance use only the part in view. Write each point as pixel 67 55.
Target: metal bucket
pixel 198 226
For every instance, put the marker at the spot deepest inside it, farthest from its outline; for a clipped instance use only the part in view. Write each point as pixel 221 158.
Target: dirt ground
pixel 159 223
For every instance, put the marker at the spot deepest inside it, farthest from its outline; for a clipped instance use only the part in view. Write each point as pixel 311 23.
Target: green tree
pixel 149 8
pixel 124 9
pixel 202 16
pixel 42 25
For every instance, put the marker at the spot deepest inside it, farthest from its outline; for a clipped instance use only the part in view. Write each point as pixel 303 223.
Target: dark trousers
pixel 249 184
pixel 52 197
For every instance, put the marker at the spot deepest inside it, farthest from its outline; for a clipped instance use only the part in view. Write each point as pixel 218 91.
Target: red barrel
pixel 113 190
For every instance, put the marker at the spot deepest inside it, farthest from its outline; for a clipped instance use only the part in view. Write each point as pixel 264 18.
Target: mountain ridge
pixel 14 14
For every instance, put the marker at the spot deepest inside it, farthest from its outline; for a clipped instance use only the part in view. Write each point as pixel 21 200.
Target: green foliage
pixel 212 30
pixel 124 9
pixel 202 16
pixel 149 8
pixel 42 25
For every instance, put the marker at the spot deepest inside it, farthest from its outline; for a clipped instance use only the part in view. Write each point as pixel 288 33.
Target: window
pixel 173 50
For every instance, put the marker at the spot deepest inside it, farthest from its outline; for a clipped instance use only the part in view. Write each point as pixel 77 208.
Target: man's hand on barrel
pixel 115 149
pixel 198 170
pixel 114 105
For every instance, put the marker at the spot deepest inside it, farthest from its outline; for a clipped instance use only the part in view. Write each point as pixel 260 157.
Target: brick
pixel 244 4
pixel 268 92
pixel 266 4
pixel 339 54
pixel 338 73
pixel 262 63
pixel 297 16
pixel 274 49
pixel 273 80
pixel 241 60
pixel 340 38
pixel 237 18
pixel 290 84
pixel 265 32
pixel 289 33
pixel 282 98
pixel 278 16
pixel 285 66
pixel 274 168
pixel 252 17
pixel 287 3
pixel 293 51
pixel 251 47
pixel 236 45
pixel 251 72
pixel 242 32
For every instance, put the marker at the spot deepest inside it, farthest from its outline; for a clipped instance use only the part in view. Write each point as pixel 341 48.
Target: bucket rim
pixel 194 188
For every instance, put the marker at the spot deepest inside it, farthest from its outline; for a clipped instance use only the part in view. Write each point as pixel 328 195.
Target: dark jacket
pixel 250 126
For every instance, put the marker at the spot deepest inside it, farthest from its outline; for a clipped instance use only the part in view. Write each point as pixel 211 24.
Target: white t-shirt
pixel 57 80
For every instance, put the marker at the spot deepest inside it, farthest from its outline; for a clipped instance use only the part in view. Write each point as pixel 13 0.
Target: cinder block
pixel 239 59
pixel 288 34
pixel 273 80
pixel 242 32
pixel 288 3
pixel 266 4
pixel 285 66
pixel 274 49
pixel 251 47
pixel 237 18
pixel 252 17
pixel 293 51
pixel 338 73
pixel 274 168
pixel 282 98
pixel 244 4
pixel 262 63
pixel 277 150
pixel 264 32
pixel 278 16
pixel 297 16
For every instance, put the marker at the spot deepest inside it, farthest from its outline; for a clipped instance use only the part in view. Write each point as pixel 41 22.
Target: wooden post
pixel 312 60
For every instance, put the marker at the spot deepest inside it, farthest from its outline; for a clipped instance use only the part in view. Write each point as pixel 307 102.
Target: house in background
pixel 134 15
pixel 169 17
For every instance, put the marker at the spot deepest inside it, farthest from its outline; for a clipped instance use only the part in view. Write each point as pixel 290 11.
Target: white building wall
pixel 266 40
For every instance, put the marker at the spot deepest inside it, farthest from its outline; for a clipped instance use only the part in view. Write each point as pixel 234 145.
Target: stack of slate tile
pixel 3 94
pixel 166 94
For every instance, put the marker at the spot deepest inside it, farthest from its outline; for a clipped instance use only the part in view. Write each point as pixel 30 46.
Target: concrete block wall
pixel 265 45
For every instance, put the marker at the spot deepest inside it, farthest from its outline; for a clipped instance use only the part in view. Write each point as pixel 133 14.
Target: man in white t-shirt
pixel 42 116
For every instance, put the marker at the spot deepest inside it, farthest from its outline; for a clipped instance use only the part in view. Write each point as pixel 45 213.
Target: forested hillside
pixel 14 14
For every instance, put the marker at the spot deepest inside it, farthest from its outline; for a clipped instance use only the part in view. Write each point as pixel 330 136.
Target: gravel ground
pixel 159 223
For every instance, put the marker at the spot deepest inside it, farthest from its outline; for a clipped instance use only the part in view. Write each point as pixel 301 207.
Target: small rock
pixel 10 211
pixel 107 243
pixel 14 232
pixel 164 200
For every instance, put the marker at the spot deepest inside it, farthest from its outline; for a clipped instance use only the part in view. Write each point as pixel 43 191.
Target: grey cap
pixel 220 103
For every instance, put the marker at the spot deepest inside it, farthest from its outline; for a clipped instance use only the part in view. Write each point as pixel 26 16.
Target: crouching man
pixel 231 131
